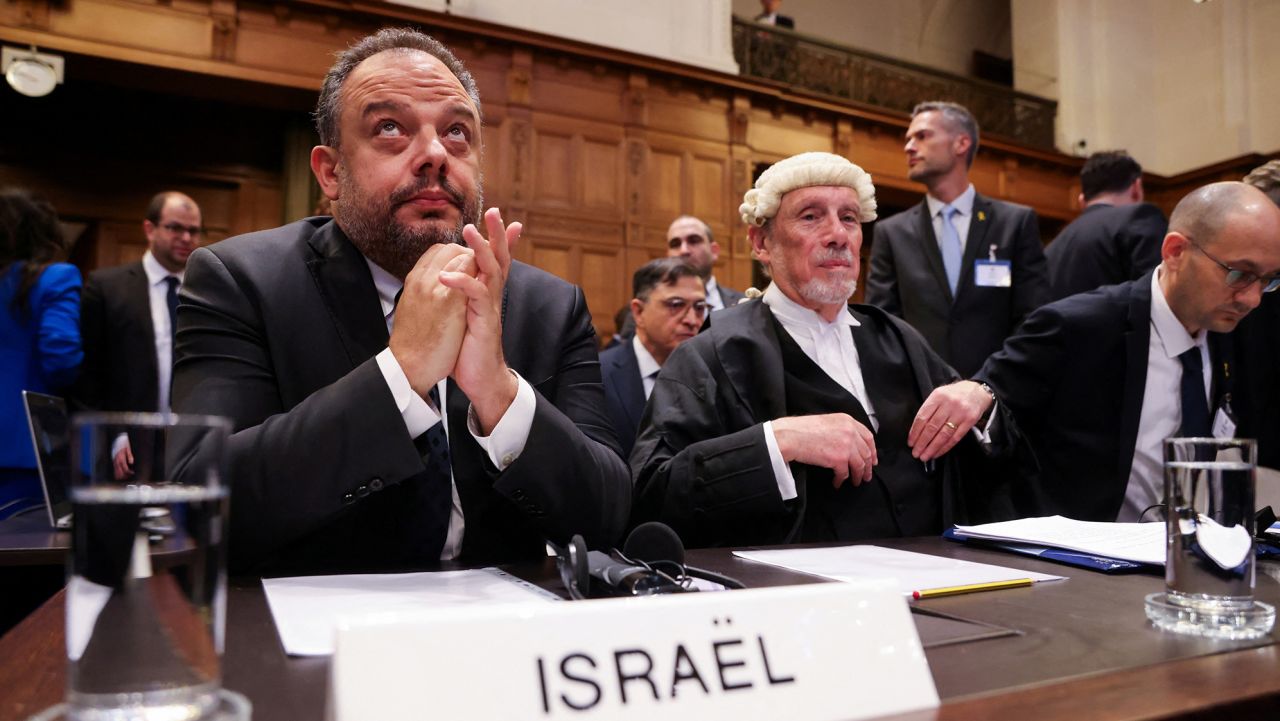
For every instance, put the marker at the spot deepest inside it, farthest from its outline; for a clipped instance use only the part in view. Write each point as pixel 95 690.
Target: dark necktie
pixel 433 487
pixel 437 484
pixel 171 295
pixel 1195 409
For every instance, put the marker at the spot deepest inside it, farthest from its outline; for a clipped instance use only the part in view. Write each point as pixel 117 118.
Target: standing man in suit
pixel 1098 380
pixel 962 268
pixel 1116 238
pixel 797 417
pixel 668 307
pixel 690 238
pixel 401 391
pixel 127 313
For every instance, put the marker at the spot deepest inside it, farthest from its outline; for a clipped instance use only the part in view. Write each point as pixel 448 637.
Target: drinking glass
pixel 146 578
pixel 1209 528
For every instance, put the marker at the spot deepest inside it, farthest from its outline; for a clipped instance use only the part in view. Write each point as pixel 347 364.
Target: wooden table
pixel 1085 651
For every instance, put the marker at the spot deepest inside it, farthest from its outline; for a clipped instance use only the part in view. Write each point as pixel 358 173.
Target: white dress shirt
pixel 1161 403
pixel 648 366
pixel 714 301
pixel 830 346
pixel 158 293
pixel 960 221
pixel 504 444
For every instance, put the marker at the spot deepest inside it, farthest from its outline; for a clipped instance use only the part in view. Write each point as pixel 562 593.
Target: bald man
pixel 127 313
pixel 1097 381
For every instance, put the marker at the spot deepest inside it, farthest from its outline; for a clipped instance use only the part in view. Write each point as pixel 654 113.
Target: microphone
pixel 627 579
pixel 655 544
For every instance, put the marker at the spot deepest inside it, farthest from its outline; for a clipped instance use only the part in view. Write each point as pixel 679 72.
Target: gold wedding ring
pixel 950 425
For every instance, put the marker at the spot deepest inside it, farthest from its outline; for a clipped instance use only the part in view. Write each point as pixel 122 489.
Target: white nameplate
pixel 814 652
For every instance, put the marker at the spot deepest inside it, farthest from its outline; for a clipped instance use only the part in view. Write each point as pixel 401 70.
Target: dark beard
pixel 372 226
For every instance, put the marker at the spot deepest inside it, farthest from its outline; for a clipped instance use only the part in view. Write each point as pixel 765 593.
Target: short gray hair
pixel 328 108
pixel 958 118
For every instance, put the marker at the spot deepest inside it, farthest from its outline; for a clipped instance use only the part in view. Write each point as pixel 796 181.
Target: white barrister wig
pixel 803 171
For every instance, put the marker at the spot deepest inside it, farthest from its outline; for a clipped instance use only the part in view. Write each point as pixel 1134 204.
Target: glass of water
pixel 146 579
pixel 1209 528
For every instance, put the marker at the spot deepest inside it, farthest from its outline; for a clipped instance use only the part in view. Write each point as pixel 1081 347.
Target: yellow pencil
pixel 971 588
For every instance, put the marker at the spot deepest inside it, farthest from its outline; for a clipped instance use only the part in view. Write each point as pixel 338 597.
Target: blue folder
pixel 1060 555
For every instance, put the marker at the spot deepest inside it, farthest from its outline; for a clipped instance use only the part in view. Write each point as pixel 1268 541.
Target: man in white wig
pixel 797 417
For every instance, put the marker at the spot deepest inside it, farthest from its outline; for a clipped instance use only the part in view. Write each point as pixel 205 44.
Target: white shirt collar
pixel 963 203
pixel 790 312
pixel 156 273
pixel 1173 335
pixel 388 286
pixel 648 366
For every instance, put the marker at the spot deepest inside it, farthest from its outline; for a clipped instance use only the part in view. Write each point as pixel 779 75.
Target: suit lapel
pixel 140 299
pixel 927 247
pixel 1137 341
pixel 346 287
pixel 975 246
pixel 755 371
pixel 630 385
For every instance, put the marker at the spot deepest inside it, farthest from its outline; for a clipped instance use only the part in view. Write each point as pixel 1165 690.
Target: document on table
pixel 908 571
pixel 1141 542
pixel 307 609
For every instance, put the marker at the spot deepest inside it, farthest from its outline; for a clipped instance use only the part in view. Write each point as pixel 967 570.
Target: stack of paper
pixel 1139 542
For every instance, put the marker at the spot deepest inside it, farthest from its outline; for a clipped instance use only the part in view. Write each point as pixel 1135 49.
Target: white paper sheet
pixel 1141 542
pixel 907 571
pixel 307 609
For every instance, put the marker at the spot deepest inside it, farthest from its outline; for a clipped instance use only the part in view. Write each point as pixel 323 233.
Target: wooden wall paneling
pixel 151 27
pixel 783 132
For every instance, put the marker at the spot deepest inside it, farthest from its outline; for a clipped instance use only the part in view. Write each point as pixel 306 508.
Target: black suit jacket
pixel 701 461
pixel 119 371
pixel 623 392
pixel 278 330
pixel 1257 350
pixel 907 279
pixel 1074 376
pixel 1107 244
pixel 728 296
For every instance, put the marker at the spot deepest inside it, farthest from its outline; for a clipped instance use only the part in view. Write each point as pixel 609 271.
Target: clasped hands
pixel 838 442
pixel 449 319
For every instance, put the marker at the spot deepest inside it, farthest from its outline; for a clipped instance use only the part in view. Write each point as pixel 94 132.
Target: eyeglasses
pixel 179 229
pixel 680 306
pixel 1240 279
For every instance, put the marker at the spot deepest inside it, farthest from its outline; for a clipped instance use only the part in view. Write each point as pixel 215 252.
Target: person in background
pixel 1117 237
pixel 669 307
pixel 961 268
pixel 769 15
pixel 39 333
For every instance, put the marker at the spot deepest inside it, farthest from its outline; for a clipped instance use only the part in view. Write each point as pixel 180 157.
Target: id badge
pixel 993 273
pixel 1224 426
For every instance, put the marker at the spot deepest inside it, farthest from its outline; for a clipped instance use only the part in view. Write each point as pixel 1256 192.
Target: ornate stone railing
pixel 812 65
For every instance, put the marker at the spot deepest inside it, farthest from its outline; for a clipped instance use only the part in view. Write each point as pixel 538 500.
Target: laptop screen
pixel 50 435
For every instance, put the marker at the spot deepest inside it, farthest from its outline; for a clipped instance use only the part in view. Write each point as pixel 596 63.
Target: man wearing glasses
pixel 127 313
pixel 1097 381
pixel 669 305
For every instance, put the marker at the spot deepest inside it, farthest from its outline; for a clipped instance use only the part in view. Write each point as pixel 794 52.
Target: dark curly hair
pixel 29 234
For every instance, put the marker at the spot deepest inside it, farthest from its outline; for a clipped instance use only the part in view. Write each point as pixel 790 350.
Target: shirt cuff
pixel 507 440
pixel 984 435
pixel 417 413
pixel 781 469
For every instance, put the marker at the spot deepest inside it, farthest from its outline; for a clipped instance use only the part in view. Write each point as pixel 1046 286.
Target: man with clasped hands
pixel 402 391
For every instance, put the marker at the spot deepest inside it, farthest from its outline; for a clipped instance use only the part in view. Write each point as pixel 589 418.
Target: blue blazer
pixel 40 351
pixel 623 392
